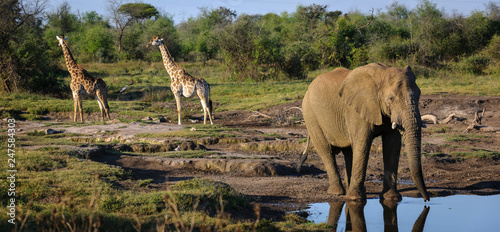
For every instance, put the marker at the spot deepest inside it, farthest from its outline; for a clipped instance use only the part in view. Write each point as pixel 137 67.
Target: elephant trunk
pixel 412 136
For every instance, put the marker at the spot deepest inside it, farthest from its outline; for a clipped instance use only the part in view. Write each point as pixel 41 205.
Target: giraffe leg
pixel 80 109
pixel 101 107
pixel 209 110
pixel 205 109
pixel 178 102
pixel 106 108
pixel 204 95
pixel 105 102
pixel 75 100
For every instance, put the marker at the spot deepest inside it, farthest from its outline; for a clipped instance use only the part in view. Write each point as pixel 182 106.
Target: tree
pixel 493 10
pixel 63 19
pixel 138 11
pixel 237 43
pixel 163 26
pixel 428 30
pixel 91 17
pixel 199 34
pixel 125 14
pixel 23 63
pixel 97 44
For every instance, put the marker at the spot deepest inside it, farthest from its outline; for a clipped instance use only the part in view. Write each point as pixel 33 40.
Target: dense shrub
pixel 474 64
pixel 493 49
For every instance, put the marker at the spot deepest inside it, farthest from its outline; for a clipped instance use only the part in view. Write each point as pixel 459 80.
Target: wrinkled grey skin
pixel 345 110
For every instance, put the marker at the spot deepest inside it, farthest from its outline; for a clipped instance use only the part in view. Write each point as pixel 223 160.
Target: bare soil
pixel 259 161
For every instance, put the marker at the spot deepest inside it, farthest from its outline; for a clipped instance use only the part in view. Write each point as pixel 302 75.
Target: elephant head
pixel 379 93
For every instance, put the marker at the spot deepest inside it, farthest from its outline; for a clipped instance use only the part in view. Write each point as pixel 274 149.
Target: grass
pixel 59 189
pixel 62 192
pixel 460 152
pixel 464 137
pixel 148 92
pixel 477 153
pixel 464 84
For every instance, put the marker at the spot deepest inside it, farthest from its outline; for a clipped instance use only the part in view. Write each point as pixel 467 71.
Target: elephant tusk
pixel 394 125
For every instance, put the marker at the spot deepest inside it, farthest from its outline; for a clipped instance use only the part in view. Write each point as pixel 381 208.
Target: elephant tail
pixel 303 157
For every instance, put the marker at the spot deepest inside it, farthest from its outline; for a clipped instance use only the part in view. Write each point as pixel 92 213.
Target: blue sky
pixel 181 10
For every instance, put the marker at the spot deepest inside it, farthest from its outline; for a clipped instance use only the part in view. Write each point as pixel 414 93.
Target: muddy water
pixel 452 213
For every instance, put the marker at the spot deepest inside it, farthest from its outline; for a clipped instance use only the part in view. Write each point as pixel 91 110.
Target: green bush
pixel 493 49
pixel 475 64
pixel 97 45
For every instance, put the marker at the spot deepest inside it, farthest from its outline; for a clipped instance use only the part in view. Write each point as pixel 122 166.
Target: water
pixel 452 213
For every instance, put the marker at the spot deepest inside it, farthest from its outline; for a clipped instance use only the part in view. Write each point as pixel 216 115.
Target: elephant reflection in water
pixel 355 216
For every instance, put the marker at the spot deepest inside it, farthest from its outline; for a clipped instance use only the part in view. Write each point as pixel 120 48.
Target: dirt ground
pixel 259 161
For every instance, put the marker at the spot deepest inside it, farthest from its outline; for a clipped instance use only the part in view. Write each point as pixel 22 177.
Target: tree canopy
pixel 257 47
pixel 138 11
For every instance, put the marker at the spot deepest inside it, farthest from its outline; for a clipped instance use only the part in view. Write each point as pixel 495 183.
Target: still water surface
pixel 452 213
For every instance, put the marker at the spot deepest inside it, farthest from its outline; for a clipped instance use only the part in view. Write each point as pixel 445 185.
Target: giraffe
pixel 182 83
pixel 83 83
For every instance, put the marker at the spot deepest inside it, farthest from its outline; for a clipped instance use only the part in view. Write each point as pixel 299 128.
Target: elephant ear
pixel 360 92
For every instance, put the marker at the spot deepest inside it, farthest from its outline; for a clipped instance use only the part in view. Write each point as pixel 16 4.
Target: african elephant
pixel 344 110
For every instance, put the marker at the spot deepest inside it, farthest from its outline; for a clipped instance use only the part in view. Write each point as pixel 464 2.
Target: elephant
pixel 344 110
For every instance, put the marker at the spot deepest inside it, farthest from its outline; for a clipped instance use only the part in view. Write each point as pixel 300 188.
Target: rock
pixel 162 119
pixel 51 131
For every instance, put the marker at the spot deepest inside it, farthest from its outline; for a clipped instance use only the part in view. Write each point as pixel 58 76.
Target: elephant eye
pixel 390 99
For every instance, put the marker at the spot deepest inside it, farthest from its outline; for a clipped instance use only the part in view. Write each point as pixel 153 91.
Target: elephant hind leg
pixel 327 153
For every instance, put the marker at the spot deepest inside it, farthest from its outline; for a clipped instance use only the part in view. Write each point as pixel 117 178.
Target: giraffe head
pixel 61 40
pixel 156 41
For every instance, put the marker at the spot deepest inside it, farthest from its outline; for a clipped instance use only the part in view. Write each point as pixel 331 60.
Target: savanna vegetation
pixel 274 55
pixel 249 47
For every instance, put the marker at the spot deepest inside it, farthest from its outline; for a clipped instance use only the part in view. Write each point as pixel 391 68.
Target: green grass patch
pixel 478 153
pixel 210 191
pixel 274 135
pixel 464 137
pixel 466 84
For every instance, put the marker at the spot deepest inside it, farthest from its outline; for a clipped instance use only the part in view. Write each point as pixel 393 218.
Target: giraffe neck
pixel 171 67
pixel 70 61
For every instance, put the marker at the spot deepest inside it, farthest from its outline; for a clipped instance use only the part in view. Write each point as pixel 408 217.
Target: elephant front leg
pixel 356 190
pixel 391 149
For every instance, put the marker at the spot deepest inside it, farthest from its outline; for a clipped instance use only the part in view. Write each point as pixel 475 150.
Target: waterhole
pixel 451 213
